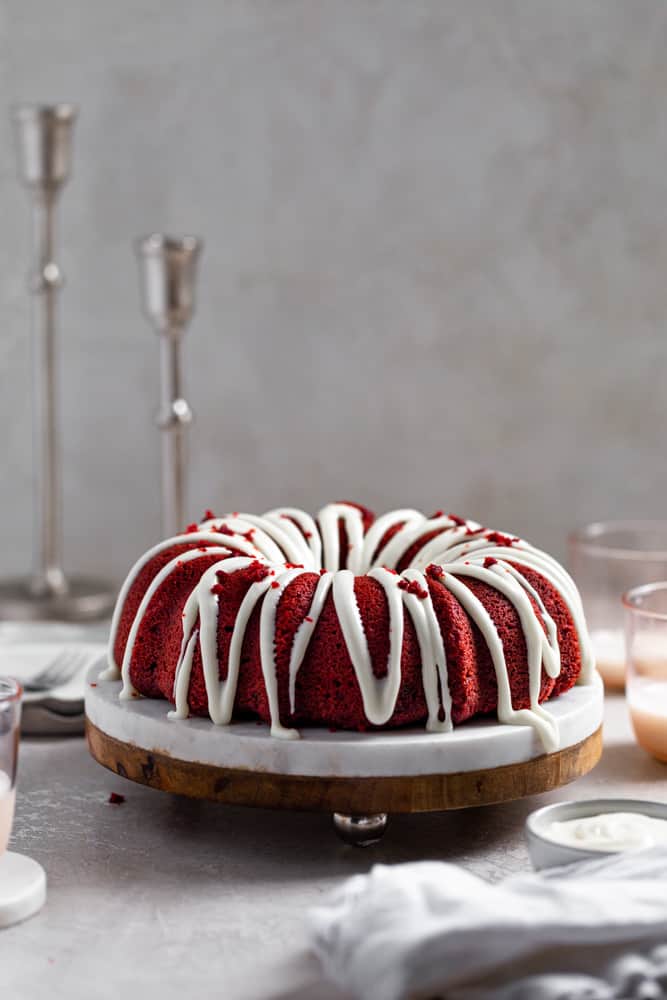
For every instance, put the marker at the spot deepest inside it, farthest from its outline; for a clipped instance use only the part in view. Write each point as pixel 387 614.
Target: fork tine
pixel 61 669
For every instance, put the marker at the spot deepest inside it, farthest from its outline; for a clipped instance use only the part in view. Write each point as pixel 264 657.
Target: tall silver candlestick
pixel 44 147
pixel 168 268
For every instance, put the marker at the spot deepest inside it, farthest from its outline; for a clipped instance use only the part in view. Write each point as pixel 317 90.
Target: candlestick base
pixel 22 888
pixel 83 599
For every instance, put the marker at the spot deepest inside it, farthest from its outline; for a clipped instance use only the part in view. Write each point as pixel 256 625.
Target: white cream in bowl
pixel 617 831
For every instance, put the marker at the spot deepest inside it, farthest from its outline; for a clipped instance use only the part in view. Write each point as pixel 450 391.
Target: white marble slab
pixel 470 747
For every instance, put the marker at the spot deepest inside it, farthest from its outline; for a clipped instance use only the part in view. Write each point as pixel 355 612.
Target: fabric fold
pixel 423 928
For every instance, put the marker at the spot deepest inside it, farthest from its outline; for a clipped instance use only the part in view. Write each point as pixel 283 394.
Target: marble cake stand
pixel 359 777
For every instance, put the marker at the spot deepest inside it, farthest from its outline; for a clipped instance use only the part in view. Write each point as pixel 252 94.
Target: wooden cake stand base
pixel 359 776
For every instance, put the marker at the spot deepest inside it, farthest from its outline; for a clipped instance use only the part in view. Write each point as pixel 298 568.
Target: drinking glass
pixel 10 717
pixel 606 560
pixel 646 644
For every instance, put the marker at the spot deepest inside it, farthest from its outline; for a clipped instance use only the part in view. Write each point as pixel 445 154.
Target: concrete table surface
pixel 163 896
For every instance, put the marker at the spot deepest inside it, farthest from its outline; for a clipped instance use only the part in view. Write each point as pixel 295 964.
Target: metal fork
pixel 58 671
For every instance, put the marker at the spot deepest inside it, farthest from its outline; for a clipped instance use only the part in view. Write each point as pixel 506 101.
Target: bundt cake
pixel 349 622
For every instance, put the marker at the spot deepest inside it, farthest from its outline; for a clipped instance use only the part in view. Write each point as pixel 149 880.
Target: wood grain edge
pixel 422 793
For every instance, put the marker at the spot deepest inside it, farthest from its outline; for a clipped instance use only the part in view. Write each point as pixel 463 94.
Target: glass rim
pixel 10 690
pixel 588 539
pixel 630 596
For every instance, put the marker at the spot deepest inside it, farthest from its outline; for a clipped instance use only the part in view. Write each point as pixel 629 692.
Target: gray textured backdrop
pixel 435 270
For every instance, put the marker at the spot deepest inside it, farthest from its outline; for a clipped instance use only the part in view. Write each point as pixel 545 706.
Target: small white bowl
pixel 548 853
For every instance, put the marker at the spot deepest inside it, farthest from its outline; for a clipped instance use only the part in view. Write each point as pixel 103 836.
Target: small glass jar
pixel 606 560
pixel 10 719
pixel 646 643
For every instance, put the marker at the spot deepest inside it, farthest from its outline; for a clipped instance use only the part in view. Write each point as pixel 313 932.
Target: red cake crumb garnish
pixel 436 514
pixel 274 584
pixel 307 534
pixel 412 587
pixel 202 548
pixel 191 528
pixel 115 799
pixel 217 588
pixel 322 572
pixel 255 571
pixel 294 566
pixel 208 515
pixel 308 618
pixel 489 562
pixel 499 539
pixel 248 534
pixel 390 570
pixel 435 572
pixel 223 529
pixel 473 531
pixel 457 520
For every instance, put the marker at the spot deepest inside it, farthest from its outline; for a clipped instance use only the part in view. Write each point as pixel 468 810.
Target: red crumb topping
pixel 275 584
pixel 223 529
pixel 499 539
pixel 308 618
pixel 307 534
pixel 412 587
pixel 191 528
pixel 437 513
pixel 254 572
pixel 457 520
pixel 322 572
pixel 434 571
pixel 293 565
pixel 473 531
pixel 489 562
pixel 115 799
pixel 208 515
pixel 390 570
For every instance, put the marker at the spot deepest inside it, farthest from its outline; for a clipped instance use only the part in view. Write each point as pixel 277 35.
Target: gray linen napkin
pixel 596 930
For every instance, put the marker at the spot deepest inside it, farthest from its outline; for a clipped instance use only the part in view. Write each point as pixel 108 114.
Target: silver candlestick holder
pixel 44 147
pixel 168 270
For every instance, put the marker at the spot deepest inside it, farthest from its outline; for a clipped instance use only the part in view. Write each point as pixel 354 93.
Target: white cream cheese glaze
pixel 616 831
pixel 288 542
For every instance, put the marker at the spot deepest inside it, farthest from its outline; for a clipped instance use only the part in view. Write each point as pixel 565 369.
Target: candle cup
pixel 10 719
pixel 646 650
pixel 606 560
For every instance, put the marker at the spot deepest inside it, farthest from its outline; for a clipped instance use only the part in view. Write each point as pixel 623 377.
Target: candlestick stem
pixel 174 417
pixel 44 283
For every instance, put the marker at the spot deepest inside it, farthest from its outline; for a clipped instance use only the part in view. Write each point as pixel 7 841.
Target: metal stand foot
pixel 360 831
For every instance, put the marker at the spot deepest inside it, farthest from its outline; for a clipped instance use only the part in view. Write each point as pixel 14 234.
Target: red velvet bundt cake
pixel 349 622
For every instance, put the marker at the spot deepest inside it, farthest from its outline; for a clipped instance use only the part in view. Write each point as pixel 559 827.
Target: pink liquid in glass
pixel 648 710
pixel 6 810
